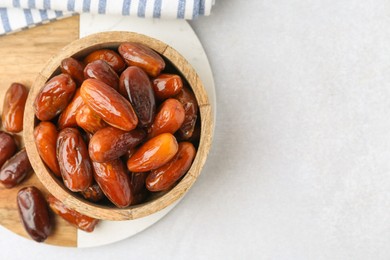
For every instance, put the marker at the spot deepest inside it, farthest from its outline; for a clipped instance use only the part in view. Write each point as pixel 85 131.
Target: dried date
pixel 169 118
pixel 15 170
pixel 135 85
pixel 34 213
pixel 73 217
pixel 13 108
pixel 114 182
pixel 103 72
pixel 137 54
pixel 167 86
pixel 165 177
pixel 45 136
pixel 111 143
pixel 109 104
pixel 54 97
pixel 153 154
pixel 73 159
pixel 7 147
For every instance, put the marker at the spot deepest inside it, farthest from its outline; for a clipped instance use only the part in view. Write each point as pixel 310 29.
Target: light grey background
pixel 300 164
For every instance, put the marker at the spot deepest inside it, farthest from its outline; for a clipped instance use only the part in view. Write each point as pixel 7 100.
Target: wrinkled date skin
pixel 111 106
pixel 135 85
pixel 13 107
pixel 87 119
pixel 72 156
pixel 136 54
pixel 54 97
pixel 34 213
pixel 167 86
pixel 153 154
pixel 100 70
pixel 137 180
pixel 114 182
pixel 93 193
pixel 45 136
pixel 75 218
pixel 68 116
pixel 188 100
pixel 15 170
pixel 111 57
pixel 166 176
pixel 7 147
pixel 111 143
pixel 195 138
pixel 74 68
pixel 169 118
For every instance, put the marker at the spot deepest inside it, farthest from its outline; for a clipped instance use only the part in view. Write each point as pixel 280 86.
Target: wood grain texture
pixel 23 55
pixel 112 40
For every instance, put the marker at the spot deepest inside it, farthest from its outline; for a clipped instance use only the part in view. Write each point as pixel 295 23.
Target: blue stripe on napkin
pixel 126 7
pixel 44 15
pixel 46 4
pixel 181 9
pixel 202 7
pixel 16 3
pixel 4 20
pixel 86 5
pixel 70 5
pixel 157 9
pixel 141 8
pixel 38 11
pixel 31 3
pixel 195 12
pixel 102 7
pixel 59 13
pixel 28 16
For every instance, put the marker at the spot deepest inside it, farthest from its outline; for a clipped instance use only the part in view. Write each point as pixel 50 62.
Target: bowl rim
pixel 107 40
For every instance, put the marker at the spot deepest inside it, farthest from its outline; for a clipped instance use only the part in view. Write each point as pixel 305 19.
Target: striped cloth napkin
pixel 16 15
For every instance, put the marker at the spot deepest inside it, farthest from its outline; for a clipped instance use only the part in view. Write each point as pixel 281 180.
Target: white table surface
pixel 300 166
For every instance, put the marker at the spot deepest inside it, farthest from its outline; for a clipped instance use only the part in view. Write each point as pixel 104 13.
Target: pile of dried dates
pixel 115 126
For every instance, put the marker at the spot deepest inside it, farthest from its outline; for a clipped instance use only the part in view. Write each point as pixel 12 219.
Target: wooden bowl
pixel 81 48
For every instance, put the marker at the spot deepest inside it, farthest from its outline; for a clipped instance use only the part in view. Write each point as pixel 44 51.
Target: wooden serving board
pixel 23 55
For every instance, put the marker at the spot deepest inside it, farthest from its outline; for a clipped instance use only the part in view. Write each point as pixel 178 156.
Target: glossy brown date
pixel 73 159
pixel 137 54
pixel 114 182
pixel 45 136
pixel 153 154
pixel 87 119
pixel 13 107
pixel 68 116
pixel 164 177
pixel 111 57
pixel 54 97
pixel 7 147
pixel 73 217
pixel 93 193
pixel 188 100
pixel 15 170
pixel 137 180
pixel 169 118
pixel 167 86
pixel 34 213
pixel 74 68
pixel 135 85
pixel 103 72
pixel 111 106
pixel 111 143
